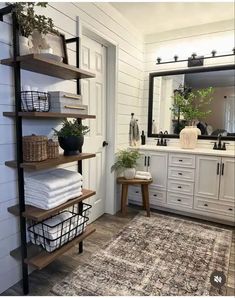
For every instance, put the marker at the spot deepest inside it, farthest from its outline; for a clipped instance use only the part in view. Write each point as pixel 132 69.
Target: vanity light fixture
pixel 159 60
pixel 196 60
pixel 213 53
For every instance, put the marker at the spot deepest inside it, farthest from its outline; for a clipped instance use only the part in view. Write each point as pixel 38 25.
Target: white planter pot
pixel 24 45
pixel 188 137
pixel 129 173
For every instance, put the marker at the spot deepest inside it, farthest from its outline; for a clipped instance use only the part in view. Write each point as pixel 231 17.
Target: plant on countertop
pixel 72 128
pixel 191 103
pixel 126 159
pixel 29 21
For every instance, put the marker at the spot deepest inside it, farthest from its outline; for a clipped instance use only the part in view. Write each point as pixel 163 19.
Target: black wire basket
pixel 59 229
pixel 35 101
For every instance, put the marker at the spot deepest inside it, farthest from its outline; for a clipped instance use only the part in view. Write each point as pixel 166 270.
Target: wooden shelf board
pixel 44 258
pixel 38 64
pixel 48 115
pixel 38 214
pixel 32 251
pixel 49 163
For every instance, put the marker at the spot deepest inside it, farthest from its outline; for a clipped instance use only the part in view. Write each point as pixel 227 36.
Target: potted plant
pixel 191 105
pixel 126 160
pixel 29 21
pixel 71 136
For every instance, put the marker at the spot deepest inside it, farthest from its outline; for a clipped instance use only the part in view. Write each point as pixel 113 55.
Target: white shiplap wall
pixel 106 20
pixel 200 39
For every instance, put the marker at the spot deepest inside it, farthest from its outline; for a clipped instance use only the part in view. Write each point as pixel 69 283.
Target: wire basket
pixel 35 101
pixel 58 230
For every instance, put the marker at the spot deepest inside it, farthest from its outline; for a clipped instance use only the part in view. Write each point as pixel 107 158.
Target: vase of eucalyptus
pixel 191 106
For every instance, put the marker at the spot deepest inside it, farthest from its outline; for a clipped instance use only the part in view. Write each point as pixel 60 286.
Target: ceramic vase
pixel 71 145
pixel 129 173
pixel 24 45
pixel 188 137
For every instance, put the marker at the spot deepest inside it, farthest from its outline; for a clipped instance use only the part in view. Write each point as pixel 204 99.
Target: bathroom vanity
pixel 196 182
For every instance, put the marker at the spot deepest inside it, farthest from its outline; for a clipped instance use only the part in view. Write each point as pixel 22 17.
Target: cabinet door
pixel 207 176
pixel 158 168
pixel 142 162
pixel 227 179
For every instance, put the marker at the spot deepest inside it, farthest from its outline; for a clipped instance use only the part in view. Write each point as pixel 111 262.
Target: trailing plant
pixel 126 159
pixel 72 128
pixel 191 104
pixel 29 21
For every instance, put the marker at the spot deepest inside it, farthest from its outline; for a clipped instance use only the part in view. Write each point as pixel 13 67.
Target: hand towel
pixel 143 173
pixel 142 177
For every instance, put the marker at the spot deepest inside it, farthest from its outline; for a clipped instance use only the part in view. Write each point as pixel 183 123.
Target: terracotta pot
pixel 188 137
pixel 129 173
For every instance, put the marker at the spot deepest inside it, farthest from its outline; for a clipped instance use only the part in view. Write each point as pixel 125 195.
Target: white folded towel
pixel 53 180
pixel 142 173
pixel 52 204
pixel 51 195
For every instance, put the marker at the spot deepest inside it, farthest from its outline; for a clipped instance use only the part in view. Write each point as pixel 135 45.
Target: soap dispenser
pixel 143 138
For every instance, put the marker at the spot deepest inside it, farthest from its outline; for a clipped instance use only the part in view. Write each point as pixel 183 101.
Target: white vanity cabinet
pixel 156 164
pixel 214 187
pixel 191 183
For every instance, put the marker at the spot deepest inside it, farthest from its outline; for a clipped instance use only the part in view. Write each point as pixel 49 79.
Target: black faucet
pixel 219 145
pixel 162 141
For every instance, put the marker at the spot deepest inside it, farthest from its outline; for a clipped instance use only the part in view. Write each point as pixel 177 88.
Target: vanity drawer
pixel 134 193
pixel 181 173
pixel 214 207
pixel 180 186
pixel 157 196
pixel 182 160
pixel 179 199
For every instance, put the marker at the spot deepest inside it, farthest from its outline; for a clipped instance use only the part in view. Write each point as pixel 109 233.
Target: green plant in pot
pixel 192 105
pixel 71 136
pixel 126 160
pixel 29 21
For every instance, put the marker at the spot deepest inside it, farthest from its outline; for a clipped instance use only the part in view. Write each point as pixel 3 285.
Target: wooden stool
pixel 144 189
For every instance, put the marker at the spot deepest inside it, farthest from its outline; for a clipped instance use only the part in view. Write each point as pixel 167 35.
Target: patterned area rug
pixel 160 255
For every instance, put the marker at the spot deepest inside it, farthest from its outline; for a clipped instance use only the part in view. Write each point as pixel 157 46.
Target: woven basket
pixel 52 149
pixel 35 148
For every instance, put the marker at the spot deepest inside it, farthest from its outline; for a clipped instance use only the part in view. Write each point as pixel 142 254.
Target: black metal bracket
pixel 6 10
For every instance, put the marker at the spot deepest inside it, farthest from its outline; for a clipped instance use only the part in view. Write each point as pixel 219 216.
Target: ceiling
pixel 155 17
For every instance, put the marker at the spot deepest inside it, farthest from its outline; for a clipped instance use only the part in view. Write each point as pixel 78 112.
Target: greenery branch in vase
pixel 71 136
pixel 126 160
pixel 29 22
pixel 192 105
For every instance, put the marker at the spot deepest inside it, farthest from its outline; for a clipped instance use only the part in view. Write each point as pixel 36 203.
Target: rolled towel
pixel 143 177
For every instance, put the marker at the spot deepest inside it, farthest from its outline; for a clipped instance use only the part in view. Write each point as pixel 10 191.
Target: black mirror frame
pixel 175 72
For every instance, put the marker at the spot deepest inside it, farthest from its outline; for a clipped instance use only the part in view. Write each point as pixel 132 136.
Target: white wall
pixel 104 19
pixel 201 39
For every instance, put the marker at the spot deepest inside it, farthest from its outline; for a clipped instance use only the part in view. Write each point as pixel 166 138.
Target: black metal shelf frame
pixel 18 129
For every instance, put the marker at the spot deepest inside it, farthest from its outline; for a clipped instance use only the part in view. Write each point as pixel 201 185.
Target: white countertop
pixel 202 151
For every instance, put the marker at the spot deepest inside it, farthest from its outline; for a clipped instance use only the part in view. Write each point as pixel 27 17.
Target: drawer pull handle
pixel 205 205
pixel 230 209
pixel 179 186
pixel 179 200
pixel 75 108
pixel 155 195
pixel 180 174
pixel 180 160
pixel 137 191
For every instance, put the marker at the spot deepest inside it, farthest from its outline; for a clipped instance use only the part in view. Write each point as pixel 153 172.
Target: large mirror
pixel 220 109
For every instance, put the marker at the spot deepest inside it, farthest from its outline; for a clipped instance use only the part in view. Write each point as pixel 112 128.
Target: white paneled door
pixel 93 58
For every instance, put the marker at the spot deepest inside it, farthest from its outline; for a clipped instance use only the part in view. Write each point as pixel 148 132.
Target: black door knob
pixel 105 143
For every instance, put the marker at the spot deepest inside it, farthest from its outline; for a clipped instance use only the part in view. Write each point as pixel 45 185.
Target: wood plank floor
pixel 41 282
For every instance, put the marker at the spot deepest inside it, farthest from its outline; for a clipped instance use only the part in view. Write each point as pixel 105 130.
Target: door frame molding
pixel 86 29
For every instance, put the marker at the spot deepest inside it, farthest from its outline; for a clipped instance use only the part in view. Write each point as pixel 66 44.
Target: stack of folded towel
pixel 56 231
pixel 51 189
pixel 143 175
